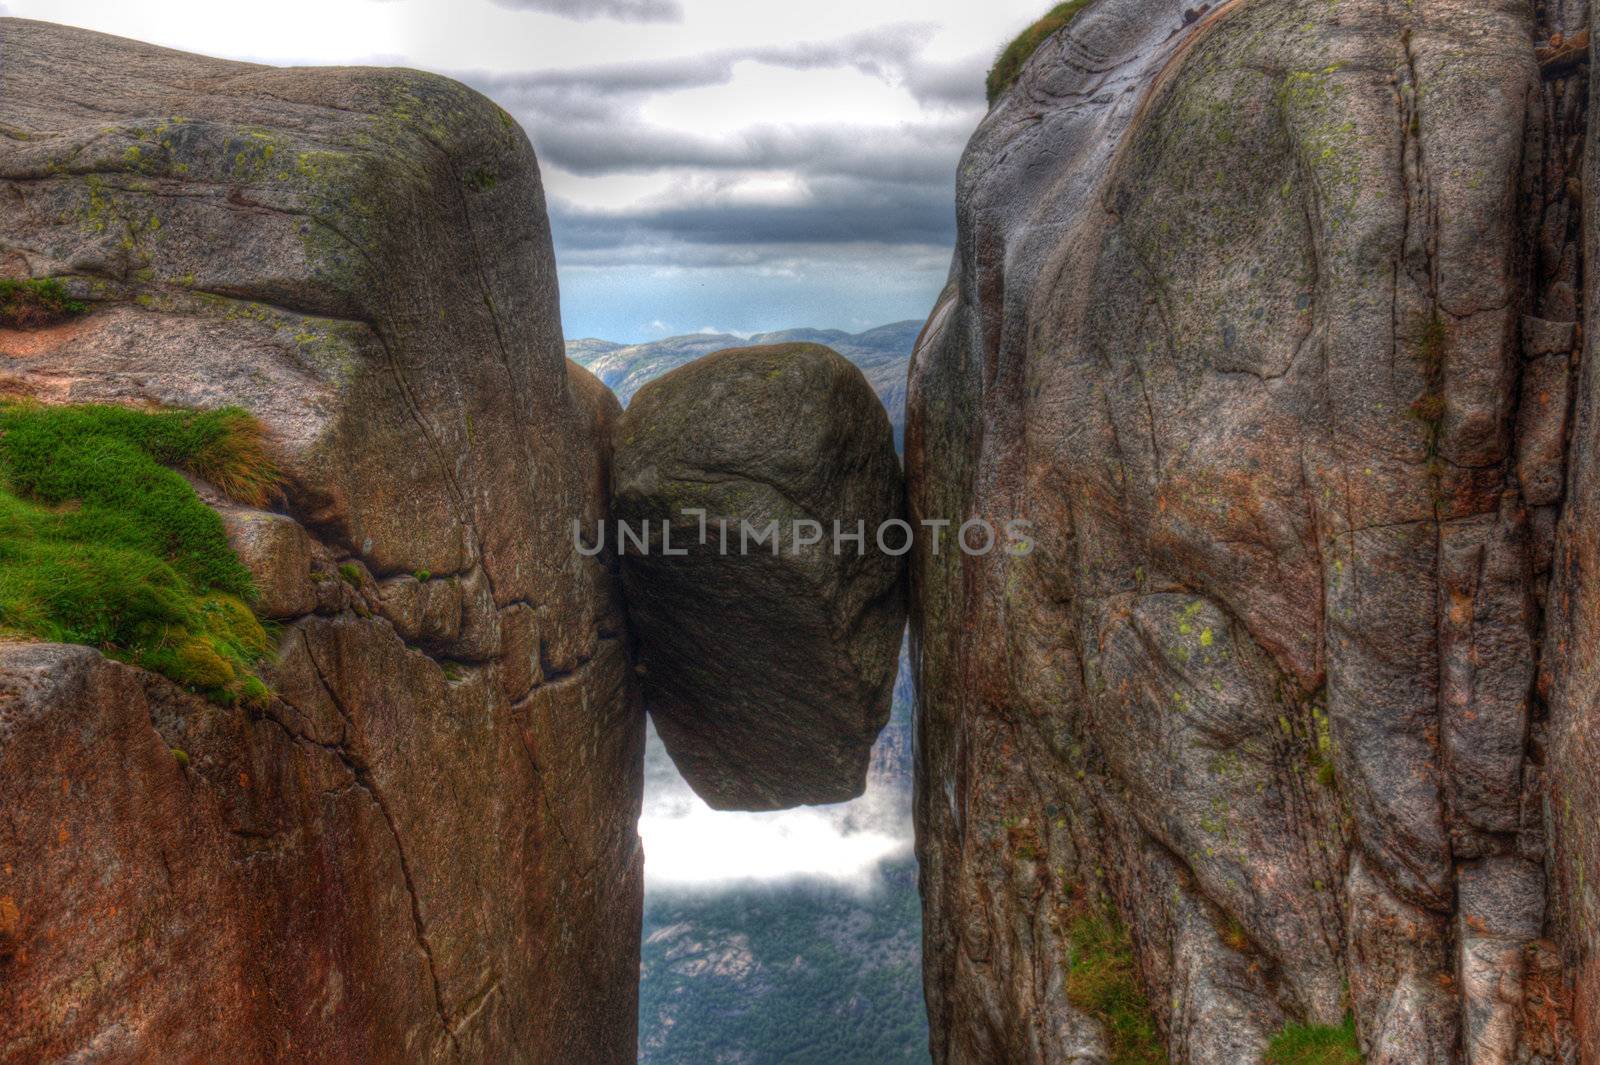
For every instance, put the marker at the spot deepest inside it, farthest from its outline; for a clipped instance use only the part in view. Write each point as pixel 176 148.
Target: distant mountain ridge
pixel 883 354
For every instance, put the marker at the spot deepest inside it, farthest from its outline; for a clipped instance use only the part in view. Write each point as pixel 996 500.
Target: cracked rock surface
pixel 1263 314
pixel 424 849
pixel 768 664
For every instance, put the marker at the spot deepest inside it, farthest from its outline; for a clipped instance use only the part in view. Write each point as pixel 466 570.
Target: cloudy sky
pixel 738 165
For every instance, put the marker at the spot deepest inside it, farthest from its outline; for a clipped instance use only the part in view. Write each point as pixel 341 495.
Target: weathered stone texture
pixel 1241 319
pixel 1570 669
pixel 425 848
pixel 768 666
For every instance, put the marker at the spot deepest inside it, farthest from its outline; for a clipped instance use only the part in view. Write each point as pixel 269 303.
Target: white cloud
pixel 706 848
pixel 621 10
pixel 688 844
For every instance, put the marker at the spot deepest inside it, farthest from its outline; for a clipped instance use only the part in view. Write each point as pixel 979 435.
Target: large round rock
pixel 768 644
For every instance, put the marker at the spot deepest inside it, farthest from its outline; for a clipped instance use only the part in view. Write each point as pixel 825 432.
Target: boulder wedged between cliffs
pixel 768 667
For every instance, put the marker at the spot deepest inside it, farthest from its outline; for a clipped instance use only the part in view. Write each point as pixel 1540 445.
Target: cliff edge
pixel 422 847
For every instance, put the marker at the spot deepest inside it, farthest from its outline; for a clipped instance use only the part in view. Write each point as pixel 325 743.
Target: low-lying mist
pixel 689 846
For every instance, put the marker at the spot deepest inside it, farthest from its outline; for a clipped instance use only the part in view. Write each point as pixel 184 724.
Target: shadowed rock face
pixel 424 848
pixel 768 667
pixel 1263 318
pixel 1569 677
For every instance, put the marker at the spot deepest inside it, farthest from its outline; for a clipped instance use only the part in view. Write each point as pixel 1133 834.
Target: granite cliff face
pixel 1269 316
pixel 1264 314
pixel 424 847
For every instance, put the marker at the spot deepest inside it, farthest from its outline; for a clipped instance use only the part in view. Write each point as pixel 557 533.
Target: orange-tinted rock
pixel 278 553
pixel 424 848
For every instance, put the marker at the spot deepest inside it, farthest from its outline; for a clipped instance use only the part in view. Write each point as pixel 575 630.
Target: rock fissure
pixel 445 468
pixel 361 774
pixel 478 259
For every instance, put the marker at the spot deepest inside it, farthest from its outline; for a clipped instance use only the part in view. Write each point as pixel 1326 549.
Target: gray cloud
pixel 608 143
pixel 859 186
pixel 887 187
pixel 621 10
pixel 760 259
pixel 838 212
pixel 950 85
pixel 587 121
pixel 887 51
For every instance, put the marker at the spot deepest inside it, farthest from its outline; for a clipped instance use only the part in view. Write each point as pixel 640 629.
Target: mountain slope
pixel 882 354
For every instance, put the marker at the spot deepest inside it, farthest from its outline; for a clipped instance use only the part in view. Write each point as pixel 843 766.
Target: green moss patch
pixel 1102 982
pixel 102 543
pixel 35 303
pixel 1015 56
pixel 1315 1044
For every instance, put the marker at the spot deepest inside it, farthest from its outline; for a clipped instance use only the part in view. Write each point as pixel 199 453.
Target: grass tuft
pixel 1315 1044
pixel 101 543
pixel 1102 982
pixel 30 304
pixel 234 456
pixel 1008 65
